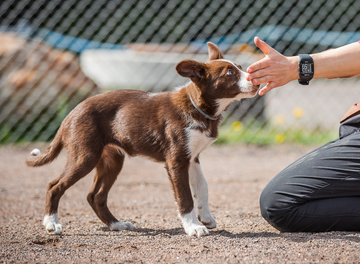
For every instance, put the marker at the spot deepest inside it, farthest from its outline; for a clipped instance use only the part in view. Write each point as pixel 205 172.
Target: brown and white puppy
pixel 170 127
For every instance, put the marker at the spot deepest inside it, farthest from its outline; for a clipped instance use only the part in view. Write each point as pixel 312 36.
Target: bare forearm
pixel 343 62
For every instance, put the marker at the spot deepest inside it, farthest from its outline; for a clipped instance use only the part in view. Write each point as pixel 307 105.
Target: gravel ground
pixel 142 195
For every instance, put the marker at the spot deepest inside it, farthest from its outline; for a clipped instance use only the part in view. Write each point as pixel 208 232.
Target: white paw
pixel 35 152
pixel 207 220
pixel 118 226
pixel 54 229
pixel 192 225
pixel 52 225
pixel 196 230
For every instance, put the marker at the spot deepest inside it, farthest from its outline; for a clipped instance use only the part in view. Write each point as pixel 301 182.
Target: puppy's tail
pixel 53 150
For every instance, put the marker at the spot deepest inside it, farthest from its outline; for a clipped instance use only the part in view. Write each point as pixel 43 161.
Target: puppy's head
pixel 220 80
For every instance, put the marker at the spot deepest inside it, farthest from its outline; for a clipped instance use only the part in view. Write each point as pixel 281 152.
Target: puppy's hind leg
pixel 77 167
pixel 107 170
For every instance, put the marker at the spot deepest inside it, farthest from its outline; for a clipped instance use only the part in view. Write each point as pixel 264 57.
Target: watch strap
pixel 305 78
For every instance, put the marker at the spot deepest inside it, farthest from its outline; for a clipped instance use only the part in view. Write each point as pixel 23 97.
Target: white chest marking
pixel 197 142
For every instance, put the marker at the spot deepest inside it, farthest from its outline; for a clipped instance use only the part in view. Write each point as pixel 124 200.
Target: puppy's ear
pixel 191 69
pixel 214 52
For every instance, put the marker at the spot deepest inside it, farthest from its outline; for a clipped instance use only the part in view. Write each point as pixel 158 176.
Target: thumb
pixel 265 48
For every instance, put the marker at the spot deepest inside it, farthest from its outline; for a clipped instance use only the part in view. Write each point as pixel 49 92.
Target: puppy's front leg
pixel 179 177
pixel 199 191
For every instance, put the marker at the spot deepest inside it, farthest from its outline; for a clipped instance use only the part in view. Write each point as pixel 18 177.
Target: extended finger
pixel 262 80
pixel 261 64
pixel 257 74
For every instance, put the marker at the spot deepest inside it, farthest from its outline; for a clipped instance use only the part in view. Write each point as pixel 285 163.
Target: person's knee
pixel 273 210
pixel 265 203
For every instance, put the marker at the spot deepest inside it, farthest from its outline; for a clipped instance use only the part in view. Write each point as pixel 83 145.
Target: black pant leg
pixel 319 192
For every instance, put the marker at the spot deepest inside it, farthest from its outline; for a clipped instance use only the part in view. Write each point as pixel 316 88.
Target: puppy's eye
pixel 229 72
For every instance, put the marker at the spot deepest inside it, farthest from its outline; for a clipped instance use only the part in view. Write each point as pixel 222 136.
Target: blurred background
pixel 54 54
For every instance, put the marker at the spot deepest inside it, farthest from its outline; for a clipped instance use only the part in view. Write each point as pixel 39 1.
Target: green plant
pixel 267 135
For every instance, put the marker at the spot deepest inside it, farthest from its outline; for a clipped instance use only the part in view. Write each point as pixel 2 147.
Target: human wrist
pixel 294 68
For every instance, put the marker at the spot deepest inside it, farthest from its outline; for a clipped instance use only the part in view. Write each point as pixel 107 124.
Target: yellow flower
pixel 279 138
pixel 280 119
pixel 298 112
pixel 237 126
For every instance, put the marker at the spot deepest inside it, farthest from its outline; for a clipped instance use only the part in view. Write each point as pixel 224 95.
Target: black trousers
pixel 320 191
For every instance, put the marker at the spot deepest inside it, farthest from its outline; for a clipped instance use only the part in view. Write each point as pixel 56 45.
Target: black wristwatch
pixel 306 69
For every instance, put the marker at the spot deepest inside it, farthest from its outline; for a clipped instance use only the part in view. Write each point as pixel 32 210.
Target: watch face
pixel 306 68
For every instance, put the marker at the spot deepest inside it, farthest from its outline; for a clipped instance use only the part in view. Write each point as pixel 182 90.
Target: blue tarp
pixel 267 33
pixel 59 40
pixel 284 33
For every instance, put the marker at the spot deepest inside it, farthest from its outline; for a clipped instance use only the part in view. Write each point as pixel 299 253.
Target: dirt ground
pixel 142 195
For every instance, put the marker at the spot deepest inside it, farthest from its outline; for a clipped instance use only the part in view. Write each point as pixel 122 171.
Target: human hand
pixel 275 69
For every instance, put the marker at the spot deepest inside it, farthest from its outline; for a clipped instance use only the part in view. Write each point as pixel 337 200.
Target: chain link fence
pixel 54 54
